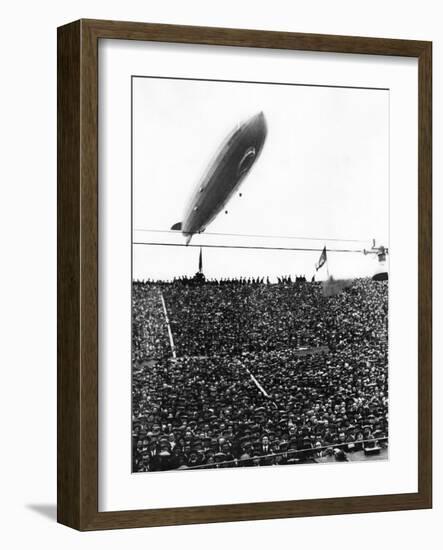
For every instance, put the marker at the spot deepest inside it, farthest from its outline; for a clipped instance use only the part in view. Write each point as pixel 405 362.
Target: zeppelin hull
pixel 237 155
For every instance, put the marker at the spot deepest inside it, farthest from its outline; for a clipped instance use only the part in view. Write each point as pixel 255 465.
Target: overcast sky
pixel 323 173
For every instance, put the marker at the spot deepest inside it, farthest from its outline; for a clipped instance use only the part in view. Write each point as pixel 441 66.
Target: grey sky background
pixel 323 173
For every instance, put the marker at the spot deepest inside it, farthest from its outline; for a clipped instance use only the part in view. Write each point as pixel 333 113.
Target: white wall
pixel 28 272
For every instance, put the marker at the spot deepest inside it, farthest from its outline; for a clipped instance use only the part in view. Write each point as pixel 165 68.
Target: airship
pixel 232 163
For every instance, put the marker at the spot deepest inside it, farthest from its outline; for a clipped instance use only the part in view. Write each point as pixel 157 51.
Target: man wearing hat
pixel 152 457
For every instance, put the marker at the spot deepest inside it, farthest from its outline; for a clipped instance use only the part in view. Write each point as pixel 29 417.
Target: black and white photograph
pixel 260 274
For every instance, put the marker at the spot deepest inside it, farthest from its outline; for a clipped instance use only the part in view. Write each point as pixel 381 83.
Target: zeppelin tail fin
pixel 177 226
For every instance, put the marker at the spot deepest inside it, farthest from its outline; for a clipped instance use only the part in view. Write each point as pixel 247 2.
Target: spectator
pixel 233 337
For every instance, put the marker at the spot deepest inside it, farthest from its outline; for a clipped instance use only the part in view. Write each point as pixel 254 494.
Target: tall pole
pixel 200 262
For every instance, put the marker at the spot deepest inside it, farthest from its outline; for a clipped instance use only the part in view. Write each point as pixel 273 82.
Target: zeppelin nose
pixel 258 123
pixel 259 118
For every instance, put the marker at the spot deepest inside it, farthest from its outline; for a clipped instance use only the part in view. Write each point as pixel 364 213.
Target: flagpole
pixel 200 261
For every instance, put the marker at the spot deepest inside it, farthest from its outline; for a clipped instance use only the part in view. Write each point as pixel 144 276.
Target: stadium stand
pixel 265 373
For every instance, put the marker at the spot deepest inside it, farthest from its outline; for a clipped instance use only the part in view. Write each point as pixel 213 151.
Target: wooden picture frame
pixel 78 274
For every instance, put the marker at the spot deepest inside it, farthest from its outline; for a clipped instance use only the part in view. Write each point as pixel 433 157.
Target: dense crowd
pixel 149 330
pixel 241 391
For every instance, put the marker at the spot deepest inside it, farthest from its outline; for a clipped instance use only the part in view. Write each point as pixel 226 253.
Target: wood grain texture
pixel 425 273
pixel 68 275
pixel 254 38
pixel 78 274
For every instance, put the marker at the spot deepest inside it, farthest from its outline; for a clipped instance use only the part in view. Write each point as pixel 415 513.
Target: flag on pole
pixel 322 260
pixel 200 262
